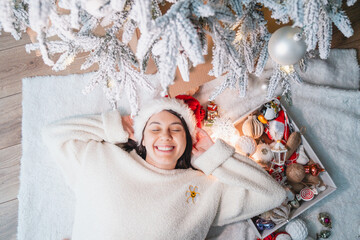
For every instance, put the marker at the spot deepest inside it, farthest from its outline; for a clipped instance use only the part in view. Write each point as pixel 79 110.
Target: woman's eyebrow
pixel 158 123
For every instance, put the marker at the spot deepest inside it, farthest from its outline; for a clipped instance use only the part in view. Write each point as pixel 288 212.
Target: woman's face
pixel 164 140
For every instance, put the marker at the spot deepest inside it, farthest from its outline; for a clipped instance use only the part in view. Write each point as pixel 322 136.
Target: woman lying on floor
pixel 157 190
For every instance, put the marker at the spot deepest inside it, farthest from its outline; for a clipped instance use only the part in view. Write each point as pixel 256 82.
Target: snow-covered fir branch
pixel 176 38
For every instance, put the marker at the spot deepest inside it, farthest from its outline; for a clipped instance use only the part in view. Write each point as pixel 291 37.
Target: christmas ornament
pixel 171 38
pixel 271 109
pixel 211 113
pixel 262 119
pixel 289 194
pixel 224 128
pixel 313 169
pixel 296 187
pixel 306 194
pixel 295 203
pixel 278 175
pixel 246 145
pixel 278 128
pixel 324 219
pixel 292 144
pixel 302 158
pixel 252 127
pixel 263 153
pixel 262 224
pixel 324 234
pixel 280 214
pixel 312 180
pixel 297 229
pixel 282 236
pixel 295 172
pixel 287 46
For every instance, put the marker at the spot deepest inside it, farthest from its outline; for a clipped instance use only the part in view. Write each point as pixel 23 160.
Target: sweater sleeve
pixel 68 139
pixel 247 190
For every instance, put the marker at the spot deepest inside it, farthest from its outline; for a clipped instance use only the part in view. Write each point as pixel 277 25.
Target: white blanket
pixel 331 116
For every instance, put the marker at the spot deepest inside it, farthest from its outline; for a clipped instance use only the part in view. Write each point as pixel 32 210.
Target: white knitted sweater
pixel 120 196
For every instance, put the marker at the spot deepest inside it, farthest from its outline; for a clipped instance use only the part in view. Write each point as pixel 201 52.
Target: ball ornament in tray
pixel 253 127
pixel 246 145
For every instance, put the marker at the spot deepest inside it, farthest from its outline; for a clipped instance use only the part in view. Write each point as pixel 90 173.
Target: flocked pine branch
pixel 176 38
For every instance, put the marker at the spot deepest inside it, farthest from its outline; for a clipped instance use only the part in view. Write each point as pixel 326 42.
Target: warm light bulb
pixel 287 69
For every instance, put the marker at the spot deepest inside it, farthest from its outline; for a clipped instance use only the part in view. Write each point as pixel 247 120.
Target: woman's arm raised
pixel 248 190
pixel 67 139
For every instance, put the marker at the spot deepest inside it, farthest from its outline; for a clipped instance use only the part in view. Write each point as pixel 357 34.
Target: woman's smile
pixel 164 140
pixel 165 148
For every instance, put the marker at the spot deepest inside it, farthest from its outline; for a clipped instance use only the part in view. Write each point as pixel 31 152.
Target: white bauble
pixel 263 153
pixel 287 46
pixel 246 145
pixel 283 236
pixel 297 229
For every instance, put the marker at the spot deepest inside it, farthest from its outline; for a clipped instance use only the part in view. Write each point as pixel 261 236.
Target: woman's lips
pixel 165 148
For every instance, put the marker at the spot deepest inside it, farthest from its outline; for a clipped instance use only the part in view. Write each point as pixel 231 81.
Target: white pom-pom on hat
pixel 158 105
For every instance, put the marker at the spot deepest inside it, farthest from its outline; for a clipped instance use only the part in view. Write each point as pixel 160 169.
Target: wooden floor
pixel 16 64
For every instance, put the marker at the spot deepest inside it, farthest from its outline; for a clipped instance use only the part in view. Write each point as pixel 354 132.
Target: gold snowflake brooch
pixel 192 193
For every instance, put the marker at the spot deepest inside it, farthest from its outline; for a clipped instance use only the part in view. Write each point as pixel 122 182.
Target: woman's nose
pixel 166 135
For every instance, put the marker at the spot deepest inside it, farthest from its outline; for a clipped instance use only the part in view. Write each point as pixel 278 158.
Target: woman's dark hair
pixel 183 162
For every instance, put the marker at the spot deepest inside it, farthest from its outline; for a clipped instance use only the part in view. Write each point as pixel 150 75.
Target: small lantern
pixel 279 151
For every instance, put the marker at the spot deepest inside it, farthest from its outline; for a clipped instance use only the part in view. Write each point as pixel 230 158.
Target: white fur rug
pixel 330 114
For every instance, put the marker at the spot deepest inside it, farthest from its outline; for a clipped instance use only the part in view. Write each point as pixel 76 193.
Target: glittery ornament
pixel 297 229
pixel 324 219
pixel 224 128
pixel 253 127
pixel 324 234
pixel 211 114
pixel 246 145
pixel 263 153
pixel 280 214
pixel 295 203
pixel 262 224
pixel 295 172
pixel 313 169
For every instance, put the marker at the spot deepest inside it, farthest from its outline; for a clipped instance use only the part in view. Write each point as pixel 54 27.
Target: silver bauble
pixel 287 45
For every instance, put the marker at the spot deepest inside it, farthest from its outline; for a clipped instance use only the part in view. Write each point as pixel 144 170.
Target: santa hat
pixel 279 125
pixel 158 105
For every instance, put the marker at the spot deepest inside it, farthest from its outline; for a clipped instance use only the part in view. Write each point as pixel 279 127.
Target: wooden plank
pixel 9 183
pixel 9 220
pixel 10 156
pixel 9 172
pixel 7 41
pixel 10 120
pixel 339 40
pixel 16 64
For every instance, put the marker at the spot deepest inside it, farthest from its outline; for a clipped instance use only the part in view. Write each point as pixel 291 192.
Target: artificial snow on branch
pixel 173 38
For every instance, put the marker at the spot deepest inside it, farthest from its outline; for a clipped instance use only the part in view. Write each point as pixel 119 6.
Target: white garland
pixel 177 38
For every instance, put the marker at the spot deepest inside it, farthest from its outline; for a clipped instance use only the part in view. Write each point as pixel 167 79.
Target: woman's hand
pixel 127 124
pixel 203 143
